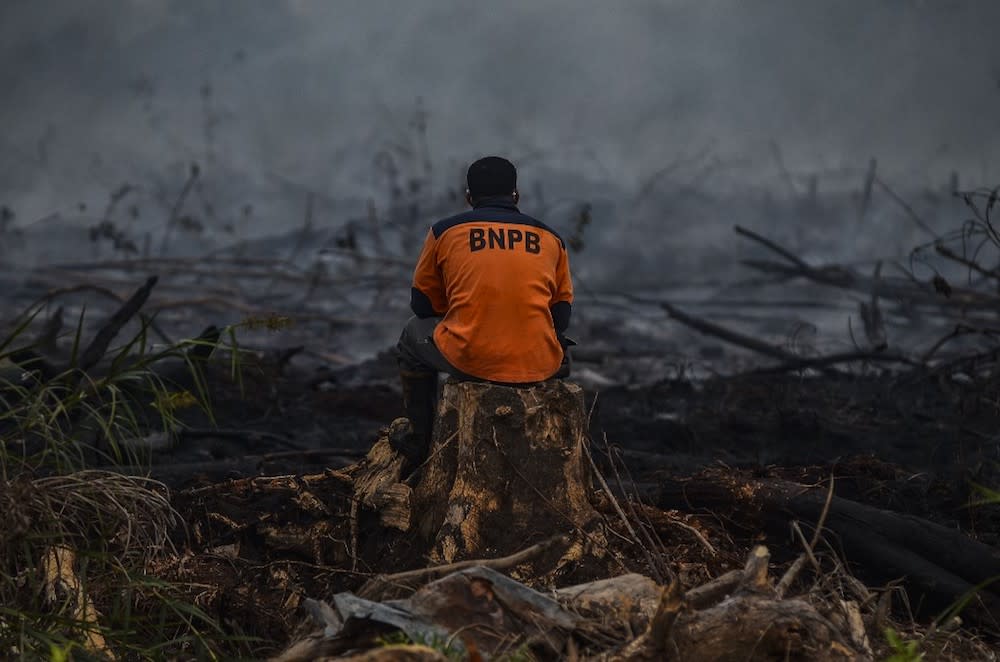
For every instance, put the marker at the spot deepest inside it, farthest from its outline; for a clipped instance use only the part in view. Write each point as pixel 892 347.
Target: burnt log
pixel 939 564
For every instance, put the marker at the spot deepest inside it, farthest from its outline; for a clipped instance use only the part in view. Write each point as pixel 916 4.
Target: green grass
pixel 902 650
pixel 78 543
pixel 64 419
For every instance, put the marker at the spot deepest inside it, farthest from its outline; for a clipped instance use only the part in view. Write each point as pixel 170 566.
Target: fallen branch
pixel 791 361
pixel 103 291
pixel 713 591
pixel 232 433
pixel 820 362
pixel 786 580
pixel 959 331
pixel 913 293
pixel 375 587
pixel 99 345
pixel 728 335
pixel 785 253
pixel 938 562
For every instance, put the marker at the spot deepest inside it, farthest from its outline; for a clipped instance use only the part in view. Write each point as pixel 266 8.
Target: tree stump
pixel 506 469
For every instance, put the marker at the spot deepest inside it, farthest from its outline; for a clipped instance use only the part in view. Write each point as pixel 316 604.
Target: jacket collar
pixel 501 201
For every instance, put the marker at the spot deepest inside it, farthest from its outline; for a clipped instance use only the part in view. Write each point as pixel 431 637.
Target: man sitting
pixel 491 297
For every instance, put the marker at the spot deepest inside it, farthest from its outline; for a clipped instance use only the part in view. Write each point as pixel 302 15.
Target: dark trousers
pixel 418 353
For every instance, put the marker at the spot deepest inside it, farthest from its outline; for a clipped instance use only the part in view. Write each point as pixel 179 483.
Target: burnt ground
pixel 920 443
pixel 935 431
pixel 912 444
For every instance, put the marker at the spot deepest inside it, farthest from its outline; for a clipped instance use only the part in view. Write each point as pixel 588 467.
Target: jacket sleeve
pixel 562 299
pixel 427 296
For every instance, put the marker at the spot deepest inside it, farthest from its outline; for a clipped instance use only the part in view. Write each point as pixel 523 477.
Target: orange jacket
pixel 496 276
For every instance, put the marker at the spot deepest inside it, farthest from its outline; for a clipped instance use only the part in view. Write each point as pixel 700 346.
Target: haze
pixel 274 98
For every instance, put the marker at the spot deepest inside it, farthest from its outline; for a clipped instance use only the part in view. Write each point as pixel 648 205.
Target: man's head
pixel 491 176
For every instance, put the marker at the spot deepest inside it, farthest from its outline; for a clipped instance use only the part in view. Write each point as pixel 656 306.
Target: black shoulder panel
pixel 561 312
pixel 421 304
pixel 491 215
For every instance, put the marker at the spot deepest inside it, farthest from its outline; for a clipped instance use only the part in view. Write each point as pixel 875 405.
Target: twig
pixel 958 331
pixel 360 257
pixel 913 292
pixel 653 566
pixel 790 575
pixel 779 161
pixel 946 252
pixel 786 580
pixel 300 242
pixel 267 482
pixel 353 550
pixel 310 452
pixel 231 433
pixel 255 311
pixel 792 361
pixel 833 359
pixel 871 315
pixel 802 539
pixel 919 222
pixel 755 569
pixel 635 490
pixel 866 194
pixel 788 255
pixel 696 533
pixel 410 577
pixel 635 516
pixel 178 203
pixel 703 596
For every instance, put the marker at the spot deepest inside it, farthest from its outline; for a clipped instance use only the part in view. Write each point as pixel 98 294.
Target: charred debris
pixel 193 465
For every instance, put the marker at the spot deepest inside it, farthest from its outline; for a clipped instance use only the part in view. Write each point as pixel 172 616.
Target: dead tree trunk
pixel 506 469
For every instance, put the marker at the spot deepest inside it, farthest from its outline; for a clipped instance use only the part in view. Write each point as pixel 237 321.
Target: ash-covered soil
pixel 257 547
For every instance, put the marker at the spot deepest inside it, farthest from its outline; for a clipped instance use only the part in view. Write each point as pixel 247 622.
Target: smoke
pixel 98 93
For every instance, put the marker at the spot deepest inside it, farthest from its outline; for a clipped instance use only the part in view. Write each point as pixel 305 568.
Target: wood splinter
pixel 755 570
pixel 670 607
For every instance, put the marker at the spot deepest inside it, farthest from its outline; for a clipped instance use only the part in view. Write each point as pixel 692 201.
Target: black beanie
pixel 491 175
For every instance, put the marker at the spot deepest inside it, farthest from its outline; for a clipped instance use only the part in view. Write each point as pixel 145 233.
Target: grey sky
pixel 97 91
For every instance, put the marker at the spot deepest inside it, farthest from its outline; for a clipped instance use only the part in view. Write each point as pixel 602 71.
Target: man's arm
pixel 562 301
pixel 427 296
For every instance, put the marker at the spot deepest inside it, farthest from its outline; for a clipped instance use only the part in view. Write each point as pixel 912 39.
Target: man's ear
pixel 517 196
pixel 468 197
